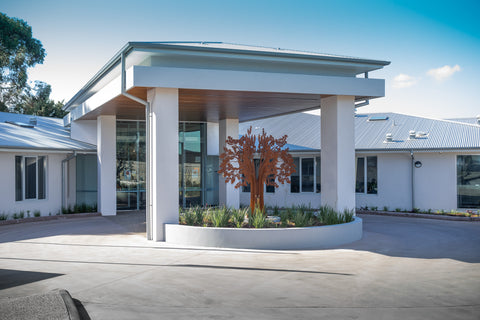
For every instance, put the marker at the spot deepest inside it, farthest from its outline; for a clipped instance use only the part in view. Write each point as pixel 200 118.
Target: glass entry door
pixel 130 165
pixel 191 162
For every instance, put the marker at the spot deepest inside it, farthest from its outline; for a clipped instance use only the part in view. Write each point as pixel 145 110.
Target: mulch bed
pixel 49 218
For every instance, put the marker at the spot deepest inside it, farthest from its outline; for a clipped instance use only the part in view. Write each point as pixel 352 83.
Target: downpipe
pixel 413 178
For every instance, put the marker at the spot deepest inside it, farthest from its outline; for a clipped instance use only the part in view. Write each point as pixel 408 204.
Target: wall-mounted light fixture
pixel 418 164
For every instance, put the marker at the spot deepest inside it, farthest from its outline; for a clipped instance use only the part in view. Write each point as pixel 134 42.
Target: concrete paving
pixel 402 269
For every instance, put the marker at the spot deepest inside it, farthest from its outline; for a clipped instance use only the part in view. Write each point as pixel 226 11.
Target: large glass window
pixel 468 181
pixel 372 175
pixel 307 175
pixel 366 175
pixel 192 149
pixel 30 177
pixel 130 165
pixel 86 179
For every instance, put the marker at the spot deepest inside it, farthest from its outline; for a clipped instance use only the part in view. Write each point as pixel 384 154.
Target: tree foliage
pixel 36 100
pixel 238 166
pixel 18 51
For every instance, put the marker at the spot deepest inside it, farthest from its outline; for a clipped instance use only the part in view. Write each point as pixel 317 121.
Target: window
pixel 30 177
pixel 318 176
pixel 468 181
pixel 366 176
pixel 307 175
pixel 295 177
pixel 268 189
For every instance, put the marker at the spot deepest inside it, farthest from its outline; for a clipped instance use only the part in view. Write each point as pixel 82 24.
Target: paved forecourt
pixel 402 268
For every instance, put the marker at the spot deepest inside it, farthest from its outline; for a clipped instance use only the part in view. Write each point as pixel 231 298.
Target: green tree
pixel 18 51
pixel 37 101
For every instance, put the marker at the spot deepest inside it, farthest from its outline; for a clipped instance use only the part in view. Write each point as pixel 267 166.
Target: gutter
pixel 413 179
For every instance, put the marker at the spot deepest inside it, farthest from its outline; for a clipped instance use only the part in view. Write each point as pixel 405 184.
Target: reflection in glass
pixel 468 181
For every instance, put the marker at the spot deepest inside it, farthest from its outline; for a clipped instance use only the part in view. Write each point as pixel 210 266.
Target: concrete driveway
pixel 403 268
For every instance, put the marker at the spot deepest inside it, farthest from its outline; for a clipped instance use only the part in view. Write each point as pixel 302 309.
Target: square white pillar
pixel 107 165
pixel 338 152
pixel 228 195
pixel 164 159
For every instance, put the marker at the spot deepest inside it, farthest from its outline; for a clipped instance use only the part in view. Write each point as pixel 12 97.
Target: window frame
pixel 22 172
pixel 365 174
pixel 299 171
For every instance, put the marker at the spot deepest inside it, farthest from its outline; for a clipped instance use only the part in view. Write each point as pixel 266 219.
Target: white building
pixel 190 97
pixel 42 168
pixel 402 162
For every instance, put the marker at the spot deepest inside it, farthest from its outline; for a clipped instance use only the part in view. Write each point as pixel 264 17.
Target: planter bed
pixel 419 215
pixel 48 218
pixel 321 237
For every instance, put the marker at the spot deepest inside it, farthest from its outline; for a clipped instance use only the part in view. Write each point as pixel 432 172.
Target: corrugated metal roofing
pixel 47 134
pixel 303 130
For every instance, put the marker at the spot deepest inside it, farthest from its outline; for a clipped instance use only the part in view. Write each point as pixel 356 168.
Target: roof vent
pixel 33 121
pixel 389 137
pixel 421 135
pixel 411 134
pixel 20 124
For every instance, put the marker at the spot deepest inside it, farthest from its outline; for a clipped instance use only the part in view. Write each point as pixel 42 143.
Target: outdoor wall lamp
pixel 418 164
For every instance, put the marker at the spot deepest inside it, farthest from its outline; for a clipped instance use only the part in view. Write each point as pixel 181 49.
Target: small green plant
pixel 28 213
pixel 3 216
pixel 190 217
pixel 238 216
pixel 429 211
pixel 302 219
pixel 276 210
pixel 415 210
pixel 373 208
pixel 199 215
pixel 257 219
pixel 220 217
pixel 21 215
pixel 37 213
pixel 398 210
pixel 328 215
pixel 15 216
pixel 385 208
pixel 348 215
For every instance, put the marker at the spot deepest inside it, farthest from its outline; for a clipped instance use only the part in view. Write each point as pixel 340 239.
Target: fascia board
pixel 205 79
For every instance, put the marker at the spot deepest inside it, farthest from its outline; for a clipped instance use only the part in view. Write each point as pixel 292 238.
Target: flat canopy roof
pixel 192 67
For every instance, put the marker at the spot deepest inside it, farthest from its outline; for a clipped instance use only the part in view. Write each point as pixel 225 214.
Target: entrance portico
pixel 225 84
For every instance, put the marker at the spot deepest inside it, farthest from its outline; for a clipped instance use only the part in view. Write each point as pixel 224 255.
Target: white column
pixel 107 165
pixel 164 159
pixel 338 152
pixel 228 195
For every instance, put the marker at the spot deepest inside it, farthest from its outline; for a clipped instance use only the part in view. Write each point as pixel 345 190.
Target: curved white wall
pixel 268 239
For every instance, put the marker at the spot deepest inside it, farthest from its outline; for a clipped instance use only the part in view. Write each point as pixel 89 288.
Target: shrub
pixel 328 215
pixel 15 215
pixel 257 219
pixel 398 210
pixel 220 217
pixel 190 217
pixel 302 219
pixel 385 208
pixel 348 215
pixel 416 210
pixel 21 215
pixel 199 215
pixel 3 216
pixel 238 217
pixel 276 210
pixel 373 208
pixel 37 213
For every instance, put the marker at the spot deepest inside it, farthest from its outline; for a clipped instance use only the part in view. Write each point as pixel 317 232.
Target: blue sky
pixel 433 46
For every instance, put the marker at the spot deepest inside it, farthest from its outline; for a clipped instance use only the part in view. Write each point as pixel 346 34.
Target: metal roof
pixel 48 134
pixel 303 131
pixel 112 70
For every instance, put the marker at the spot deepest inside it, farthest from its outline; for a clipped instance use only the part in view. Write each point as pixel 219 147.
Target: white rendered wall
pixel 436 181
pixel 394 183
pixel 49 206
pixel 228 195
pixel 84 130
pixel 107 165
pixel 164 157
pixel 338 152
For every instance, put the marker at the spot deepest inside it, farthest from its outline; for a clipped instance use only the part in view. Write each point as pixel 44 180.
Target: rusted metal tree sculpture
pixel 274 164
